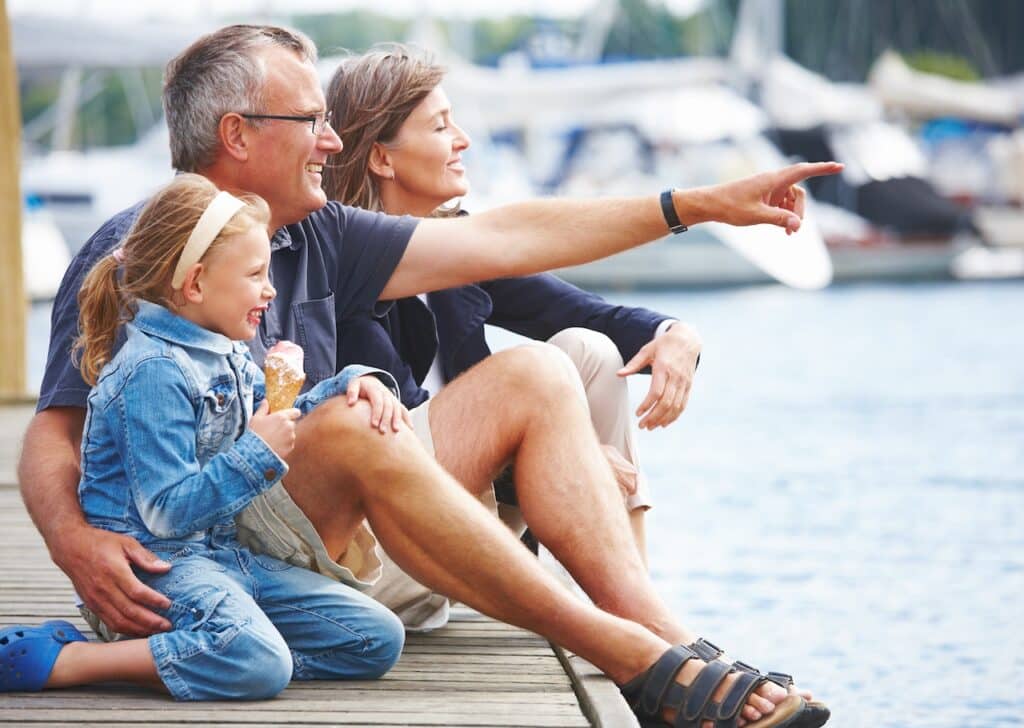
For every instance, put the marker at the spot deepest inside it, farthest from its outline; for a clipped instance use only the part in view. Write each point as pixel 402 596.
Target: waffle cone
pixel 283 383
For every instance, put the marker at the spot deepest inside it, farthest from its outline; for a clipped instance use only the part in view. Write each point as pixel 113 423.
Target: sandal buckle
pixel 712 645
pixel 706 649
pixel 780 678
pixel 746 667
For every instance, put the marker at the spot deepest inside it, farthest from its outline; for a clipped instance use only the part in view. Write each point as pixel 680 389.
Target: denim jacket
pixel 166 450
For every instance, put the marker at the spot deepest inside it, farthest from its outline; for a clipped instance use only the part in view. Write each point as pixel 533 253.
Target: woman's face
pixel 425 159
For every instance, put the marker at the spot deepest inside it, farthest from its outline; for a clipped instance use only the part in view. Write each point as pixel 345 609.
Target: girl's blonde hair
pixel 370 96
pixel 143 264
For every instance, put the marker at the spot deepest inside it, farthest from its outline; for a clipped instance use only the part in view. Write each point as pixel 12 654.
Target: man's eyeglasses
pixel 318 122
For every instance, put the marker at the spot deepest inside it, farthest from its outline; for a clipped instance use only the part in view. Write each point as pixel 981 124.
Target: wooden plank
pixel 447 703
pixel 13 304
pixel 289 700
pixel 600 699
pixel 254 715
pixel 159 724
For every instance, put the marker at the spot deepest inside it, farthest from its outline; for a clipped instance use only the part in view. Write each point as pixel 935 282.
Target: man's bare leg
pixel 639 528
pixel 564 485
pixel 436 531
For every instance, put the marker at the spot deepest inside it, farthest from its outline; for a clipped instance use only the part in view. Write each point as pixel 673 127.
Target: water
pixel 843 497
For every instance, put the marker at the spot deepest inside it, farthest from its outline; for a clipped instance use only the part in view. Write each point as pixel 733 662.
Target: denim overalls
pixel 167 457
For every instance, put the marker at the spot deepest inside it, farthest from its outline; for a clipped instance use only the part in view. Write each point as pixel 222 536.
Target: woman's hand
pixel 385 409
pixel 277 429
pixel 672 358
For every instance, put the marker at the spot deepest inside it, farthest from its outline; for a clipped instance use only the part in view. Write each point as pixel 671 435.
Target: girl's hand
pixel 277 429
pixel 385 409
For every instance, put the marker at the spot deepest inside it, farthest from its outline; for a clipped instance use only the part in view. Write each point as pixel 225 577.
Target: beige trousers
pixel 598 360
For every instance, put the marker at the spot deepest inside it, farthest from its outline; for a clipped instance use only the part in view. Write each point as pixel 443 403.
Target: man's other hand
pixel 99 564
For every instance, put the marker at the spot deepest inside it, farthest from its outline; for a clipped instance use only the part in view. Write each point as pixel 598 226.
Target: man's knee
pixel 336 418
pixel 338 439
pixel 592 353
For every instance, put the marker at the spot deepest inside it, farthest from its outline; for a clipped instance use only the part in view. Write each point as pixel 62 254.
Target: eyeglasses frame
pixel 312 119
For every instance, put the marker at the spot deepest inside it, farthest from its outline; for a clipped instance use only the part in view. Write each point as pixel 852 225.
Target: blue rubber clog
pixel 27 654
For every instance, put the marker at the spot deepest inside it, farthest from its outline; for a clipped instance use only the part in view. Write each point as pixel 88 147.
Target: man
pixel 245 109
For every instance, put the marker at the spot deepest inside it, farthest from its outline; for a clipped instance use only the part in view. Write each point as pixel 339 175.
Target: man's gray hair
pixel 219 73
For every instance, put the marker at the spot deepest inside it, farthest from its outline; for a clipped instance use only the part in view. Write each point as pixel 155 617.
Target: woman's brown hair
pixel 370 96
pixel 143 264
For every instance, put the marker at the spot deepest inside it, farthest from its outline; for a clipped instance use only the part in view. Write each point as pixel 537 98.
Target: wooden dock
pixel 474 672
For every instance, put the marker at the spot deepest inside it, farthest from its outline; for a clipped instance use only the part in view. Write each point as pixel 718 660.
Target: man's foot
pixel 708 694
pixel 760 703
pixel 708 651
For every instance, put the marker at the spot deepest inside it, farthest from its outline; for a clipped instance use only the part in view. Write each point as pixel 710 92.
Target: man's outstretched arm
pixel 530 237
pixel 98 562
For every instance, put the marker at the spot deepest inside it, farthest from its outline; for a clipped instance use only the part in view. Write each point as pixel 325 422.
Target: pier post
pixel 13 305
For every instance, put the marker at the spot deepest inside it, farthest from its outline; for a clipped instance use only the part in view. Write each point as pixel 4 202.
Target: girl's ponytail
pixel 101 311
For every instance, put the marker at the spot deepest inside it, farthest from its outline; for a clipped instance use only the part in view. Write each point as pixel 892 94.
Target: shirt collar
pixel 156 320
pixel 282 239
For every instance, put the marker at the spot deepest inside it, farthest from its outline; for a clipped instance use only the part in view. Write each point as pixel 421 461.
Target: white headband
pixel 221 209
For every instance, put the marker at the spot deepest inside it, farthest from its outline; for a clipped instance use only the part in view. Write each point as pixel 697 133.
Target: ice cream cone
pixel 284 375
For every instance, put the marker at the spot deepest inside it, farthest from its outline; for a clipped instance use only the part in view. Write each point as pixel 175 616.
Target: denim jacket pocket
pixel 317 334
pixel 218 418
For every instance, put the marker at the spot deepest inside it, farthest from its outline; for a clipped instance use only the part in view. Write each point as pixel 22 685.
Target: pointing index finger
pixel 799 172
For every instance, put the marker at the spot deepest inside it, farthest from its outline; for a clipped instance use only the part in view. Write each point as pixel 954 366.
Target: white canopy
pixel 52 42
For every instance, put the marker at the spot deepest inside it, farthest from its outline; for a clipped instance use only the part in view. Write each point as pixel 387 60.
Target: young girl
pixel 172 450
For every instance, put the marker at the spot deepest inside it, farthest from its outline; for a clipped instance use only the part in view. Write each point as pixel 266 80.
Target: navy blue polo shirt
pixel 330 267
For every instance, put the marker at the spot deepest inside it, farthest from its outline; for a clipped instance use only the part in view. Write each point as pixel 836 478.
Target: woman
pixel 402 155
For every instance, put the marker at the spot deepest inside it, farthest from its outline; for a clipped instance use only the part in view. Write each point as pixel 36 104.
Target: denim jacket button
pixel 269 473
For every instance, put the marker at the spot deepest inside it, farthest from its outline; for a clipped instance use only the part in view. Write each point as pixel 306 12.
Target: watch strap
pixel 668 209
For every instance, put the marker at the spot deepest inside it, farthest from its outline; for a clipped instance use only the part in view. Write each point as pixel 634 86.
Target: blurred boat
pixel 81 188
pixel 44 253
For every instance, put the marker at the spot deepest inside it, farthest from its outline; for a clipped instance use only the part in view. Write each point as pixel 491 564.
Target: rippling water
pixel 844 497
